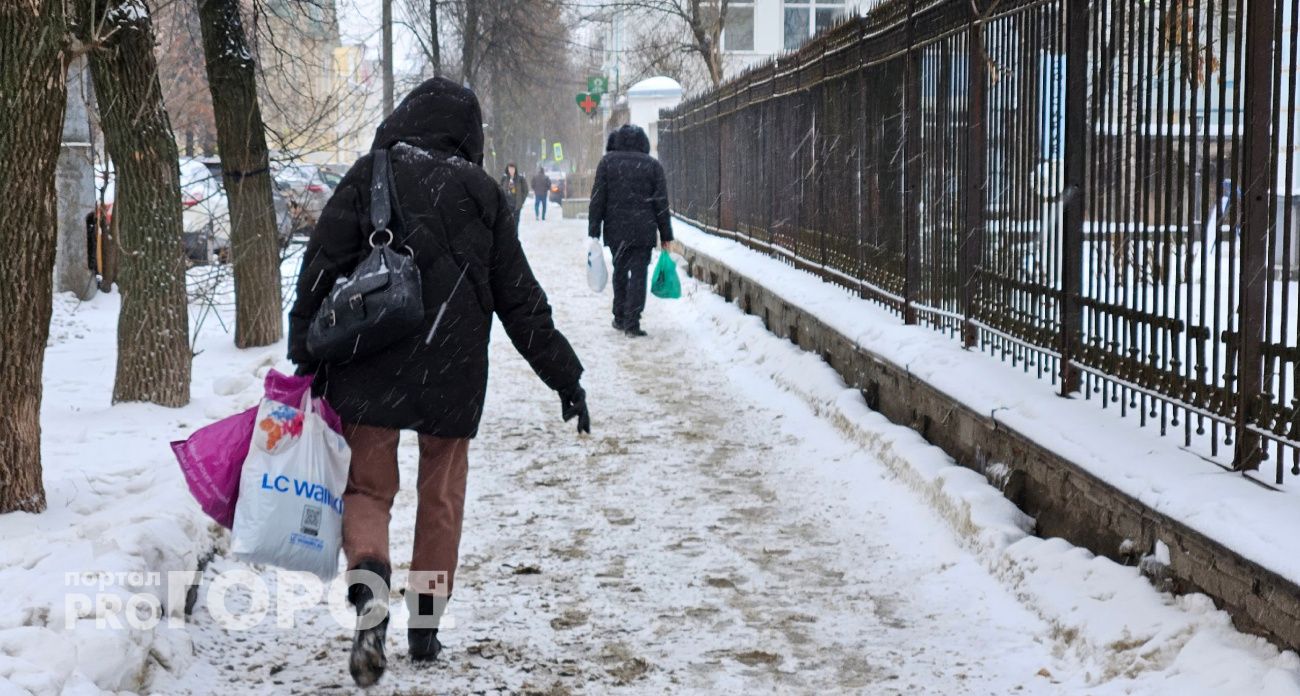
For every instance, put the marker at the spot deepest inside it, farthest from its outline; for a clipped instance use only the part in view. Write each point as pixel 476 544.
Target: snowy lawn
pixel 120 517
pixel 737 522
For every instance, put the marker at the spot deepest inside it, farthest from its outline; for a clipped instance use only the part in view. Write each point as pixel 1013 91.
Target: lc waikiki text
pixel 303 489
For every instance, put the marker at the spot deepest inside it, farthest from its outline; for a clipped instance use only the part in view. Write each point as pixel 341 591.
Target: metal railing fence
pixel 1102 192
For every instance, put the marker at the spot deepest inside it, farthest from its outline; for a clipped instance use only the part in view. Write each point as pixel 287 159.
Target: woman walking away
pixel 629 203
pixel 458 226
pixel 541 189
pixel 516 188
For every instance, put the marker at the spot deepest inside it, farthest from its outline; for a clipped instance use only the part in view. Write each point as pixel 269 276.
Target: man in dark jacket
pixel 459 228
pixel 629 204
pixel 516 188
pixel 541 189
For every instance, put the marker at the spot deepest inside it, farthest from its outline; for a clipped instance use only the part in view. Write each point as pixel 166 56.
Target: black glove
pixel 573 402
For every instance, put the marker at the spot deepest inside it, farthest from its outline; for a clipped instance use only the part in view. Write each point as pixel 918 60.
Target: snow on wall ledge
pixel 1099 482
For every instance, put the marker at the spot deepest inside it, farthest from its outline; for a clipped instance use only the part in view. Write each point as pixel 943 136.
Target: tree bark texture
pixel 241 137
pixel 435 49
pixel 469 44
pixel 153 352
pixel 32 95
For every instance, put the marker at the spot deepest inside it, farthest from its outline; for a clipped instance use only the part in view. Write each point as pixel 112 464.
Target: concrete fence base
pixel 575 207
pixel 1066 500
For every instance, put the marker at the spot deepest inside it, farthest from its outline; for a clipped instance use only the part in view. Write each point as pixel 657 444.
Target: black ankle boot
pixel 367 662
pixel 423 642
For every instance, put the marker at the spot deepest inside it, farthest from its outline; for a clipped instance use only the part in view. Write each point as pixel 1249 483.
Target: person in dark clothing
pixel 629 204
pixel 458 226
pixel 516 188
pixel 541 188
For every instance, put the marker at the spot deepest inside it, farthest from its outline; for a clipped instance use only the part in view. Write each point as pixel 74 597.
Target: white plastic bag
pixel 596 273
pixel 290 508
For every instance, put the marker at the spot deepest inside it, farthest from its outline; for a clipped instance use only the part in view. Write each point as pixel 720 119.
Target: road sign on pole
pixel 559 153
pixel 597 85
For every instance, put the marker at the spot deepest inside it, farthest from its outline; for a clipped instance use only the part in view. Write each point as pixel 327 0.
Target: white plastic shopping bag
pixel 596 273
pixel 290 508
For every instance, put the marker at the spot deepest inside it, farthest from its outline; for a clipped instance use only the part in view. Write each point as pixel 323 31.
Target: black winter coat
pixel 541 184
pixel 516 188
pixel 629 199
pixel 453 217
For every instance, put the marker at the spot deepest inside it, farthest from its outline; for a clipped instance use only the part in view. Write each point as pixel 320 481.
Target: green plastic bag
pixel 665 283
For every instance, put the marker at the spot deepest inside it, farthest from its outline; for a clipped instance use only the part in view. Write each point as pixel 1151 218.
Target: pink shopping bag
pixel 213 456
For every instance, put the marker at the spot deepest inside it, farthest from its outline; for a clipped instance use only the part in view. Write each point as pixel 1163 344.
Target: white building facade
pixel 644 101
pixel 759 29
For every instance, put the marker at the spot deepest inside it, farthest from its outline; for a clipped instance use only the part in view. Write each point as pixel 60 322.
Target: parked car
pixel 559 185
pixel 206 211
pixel 308 187
pixel 338 170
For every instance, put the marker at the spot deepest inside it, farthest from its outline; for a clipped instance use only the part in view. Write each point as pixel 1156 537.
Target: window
pixel 738 32
pixel 803 18
pixel 796 26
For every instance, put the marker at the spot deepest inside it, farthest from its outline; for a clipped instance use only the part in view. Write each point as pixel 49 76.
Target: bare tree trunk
pixel 153 352
pixel 241 138
pixel 387 22
pixel 469 43
pixel 435 50
pixel 32 95
pixel 714 63
pixel 707 37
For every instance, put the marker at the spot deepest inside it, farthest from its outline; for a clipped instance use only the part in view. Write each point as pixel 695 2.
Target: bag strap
pixel 398 220
pixel 381 183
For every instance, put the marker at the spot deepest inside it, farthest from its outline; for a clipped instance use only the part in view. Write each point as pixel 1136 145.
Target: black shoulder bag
pixel 381 302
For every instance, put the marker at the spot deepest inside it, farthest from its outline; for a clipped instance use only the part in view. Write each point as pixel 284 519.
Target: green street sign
pixel 588 102
pixel 597 84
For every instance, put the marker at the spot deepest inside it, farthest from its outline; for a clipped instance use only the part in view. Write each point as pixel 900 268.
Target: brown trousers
pixel 440 490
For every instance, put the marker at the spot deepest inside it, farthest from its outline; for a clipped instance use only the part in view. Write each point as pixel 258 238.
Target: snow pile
pixel 1124 631
pixel 86 603
pixel 1255 522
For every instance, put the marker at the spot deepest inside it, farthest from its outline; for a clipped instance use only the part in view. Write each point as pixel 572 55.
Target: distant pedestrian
pixel 541 189
pixel 454 222
pixel 516 188
pixel 629 203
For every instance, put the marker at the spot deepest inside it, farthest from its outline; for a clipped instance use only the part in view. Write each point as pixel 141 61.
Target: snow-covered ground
pixel 1182 483
pixel 738 521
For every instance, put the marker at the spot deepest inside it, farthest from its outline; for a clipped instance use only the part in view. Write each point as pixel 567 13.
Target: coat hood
pixel 628 138
pixel 438 115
